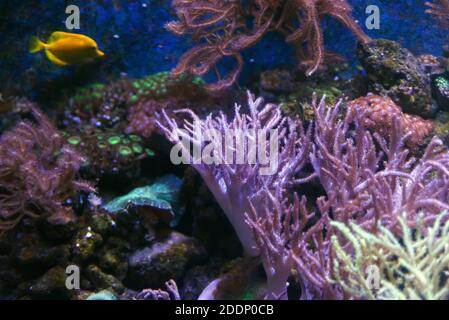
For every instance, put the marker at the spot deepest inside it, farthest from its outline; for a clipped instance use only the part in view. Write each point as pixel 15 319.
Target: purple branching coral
pixel 171 293
pixel 359 181
pixel 362 186
pixel 244 165
pixel 37 172
pixel 367 179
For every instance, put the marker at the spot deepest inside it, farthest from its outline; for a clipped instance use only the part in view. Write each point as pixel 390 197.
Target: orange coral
pixel 377 114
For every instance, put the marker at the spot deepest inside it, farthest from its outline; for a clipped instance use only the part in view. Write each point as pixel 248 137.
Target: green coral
pixel 297 103
pixel 162 194
pixel 162 85
pixel 413 266
pixel 107 151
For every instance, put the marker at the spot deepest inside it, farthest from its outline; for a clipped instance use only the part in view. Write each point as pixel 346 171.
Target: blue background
pixel 142 46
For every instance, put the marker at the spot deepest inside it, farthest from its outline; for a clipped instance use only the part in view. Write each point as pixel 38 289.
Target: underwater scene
pixel 224 150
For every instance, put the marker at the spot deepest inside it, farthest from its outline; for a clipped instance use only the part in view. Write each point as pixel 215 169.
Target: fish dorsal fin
pixel 58 35
pixel 54 59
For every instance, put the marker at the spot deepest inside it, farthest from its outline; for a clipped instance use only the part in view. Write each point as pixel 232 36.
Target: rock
pixel 9 277
pixel 52 285
pixel 395 72
pixel 277 80
pixel 34 259
pixel 113 261
pixel 168 258
pixel 86 242
pixel 103 224
pixel 197 278
pixel 58 227
pixel 103 280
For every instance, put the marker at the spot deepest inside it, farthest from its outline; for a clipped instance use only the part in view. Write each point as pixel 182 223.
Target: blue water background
pixel 132 34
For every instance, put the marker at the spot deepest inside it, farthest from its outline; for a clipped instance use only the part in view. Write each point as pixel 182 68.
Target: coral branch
pixel 244 166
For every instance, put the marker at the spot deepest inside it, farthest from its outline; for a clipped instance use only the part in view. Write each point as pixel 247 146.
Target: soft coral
pixel 37 172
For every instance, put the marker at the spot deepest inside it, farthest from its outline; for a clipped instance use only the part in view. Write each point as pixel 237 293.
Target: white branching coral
pixel 413 264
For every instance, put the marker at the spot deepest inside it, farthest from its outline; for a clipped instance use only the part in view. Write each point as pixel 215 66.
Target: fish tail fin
pixel 36 45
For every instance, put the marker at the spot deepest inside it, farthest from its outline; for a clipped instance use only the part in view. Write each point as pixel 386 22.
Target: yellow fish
pixel 65 48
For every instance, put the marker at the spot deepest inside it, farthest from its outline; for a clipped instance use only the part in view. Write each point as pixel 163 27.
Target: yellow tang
pixel 65 48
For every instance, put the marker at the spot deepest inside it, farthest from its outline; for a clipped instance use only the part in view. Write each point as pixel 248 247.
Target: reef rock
pixel 167 258
pixel 395 72
pixel 102 280
pixel 52 285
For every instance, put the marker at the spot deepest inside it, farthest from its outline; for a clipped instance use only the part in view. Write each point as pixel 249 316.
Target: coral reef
pixel 159 201
pixel 163 85
pixel 141 117
pixel 440 90
pixel 378 113
pixel 207 191
pixel 37 172
pixel 222 30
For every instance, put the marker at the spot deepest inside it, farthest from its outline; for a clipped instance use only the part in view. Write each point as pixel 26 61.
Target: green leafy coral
pixel 162 194
pixel 412 266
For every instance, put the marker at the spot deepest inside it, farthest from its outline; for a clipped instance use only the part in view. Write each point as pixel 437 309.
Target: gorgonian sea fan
pixel 221 29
